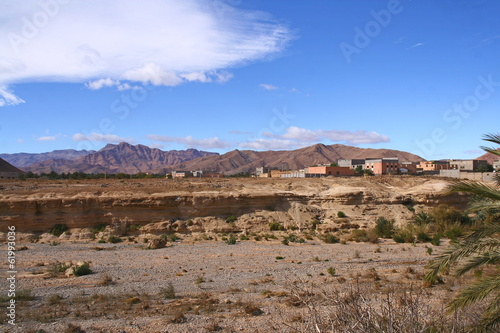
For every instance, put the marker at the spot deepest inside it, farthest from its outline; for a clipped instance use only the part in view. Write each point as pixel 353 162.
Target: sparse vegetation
pixel 384 227
pixel 58 229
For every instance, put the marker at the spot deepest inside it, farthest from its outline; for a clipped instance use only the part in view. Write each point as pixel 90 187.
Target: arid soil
pixel 200 282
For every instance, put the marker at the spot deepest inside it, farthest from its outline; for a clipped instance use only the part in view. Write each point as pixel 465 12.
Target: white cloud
pixel 97 137
pixel 190 142
pixel 47 138
pixel 167 42
pixel 101 83
pixel 268 86
pixel 308 136
pixel 271 144
pixel 8 98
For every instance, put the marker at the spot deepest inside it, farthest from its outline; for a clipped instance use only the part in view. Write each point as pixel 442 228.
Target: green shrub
pixel 436 240
pixel 58 229
pixel 423 237
pixel 275 226
pixel 231 219
pixel 279 258
pixel 422 218
pixel 294 239
pixel 330 239
pixel 341 214
pixel 99 228
pixel 403 237
pixel 83 270
pixel 331 271
pixel 384 227
pixel 231 240
pixel 454 232
pixel 366 236
pixel 285 241
pixel 114 239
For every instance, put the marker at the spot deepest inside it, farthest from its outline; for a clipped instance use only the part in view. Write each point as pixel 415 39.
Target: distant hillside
pixel 237 161
pixel 489 157
pixel 123 157
pixel 21 160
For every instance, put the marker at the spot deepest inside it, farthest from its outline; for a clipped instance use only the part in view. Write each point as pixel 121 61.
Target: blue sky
pixel 419 76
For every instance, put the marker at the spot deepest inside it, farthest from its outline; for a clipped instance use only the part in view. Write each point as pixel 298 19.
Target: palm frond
pixel 489 258
pixel 476 292
pixel 493 138
pixel 478 241
pixel 490 150
pixel 476 188
pixel 486 205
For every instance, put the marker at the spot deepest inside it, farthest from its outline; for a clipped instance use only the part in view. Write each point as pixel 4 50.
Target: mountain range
pixel 21 160
pixel 242 161
pixel 123 157
pixel 132 159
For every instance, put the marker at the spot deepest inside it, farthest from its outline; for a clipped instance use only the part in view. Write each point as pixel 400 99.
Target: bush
pixel 114 239
pixel 330 239
pixel 293 238
pixel 168 292
pixel 331 271
pixel 341 214
pixel 82 270
pixel 231 240
pixel 58 229
pixel 423 237
pixel 99 228
pixel 453 232
pixel 231 219
pixel 384 227
pixel 366 236
pixel 403 237
pixel 436 240
pixel 275 226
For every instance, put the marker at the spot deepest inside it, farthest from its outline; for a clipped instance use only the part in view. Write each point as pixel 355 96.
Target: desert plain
pixel 227 255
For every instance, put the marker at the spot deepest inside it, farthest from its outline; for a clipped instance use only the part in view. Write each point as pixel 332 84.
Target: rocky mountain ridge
pixel 244 161
pixel 123 157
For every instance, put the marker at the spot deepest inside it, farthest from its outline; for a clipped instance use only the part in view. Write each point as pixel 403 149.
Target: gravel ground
pixel 248 272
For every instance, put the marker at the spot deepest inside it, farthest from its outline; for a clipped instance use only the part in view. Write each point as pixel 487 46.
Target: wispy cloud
pixel 268 86
pixel 47 138
pixel 97 137
pixel 114 43
pixel 477 152
pixel 271 144
pixel 7 97
pixel 415 45
pixel 190 142
pixel 308 136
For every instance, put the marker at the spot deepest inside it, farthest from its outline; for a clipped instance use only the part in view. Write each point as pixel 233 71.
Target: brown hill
pixel 123 157
pixel 489 157
pixel 238 161
pixel 7 167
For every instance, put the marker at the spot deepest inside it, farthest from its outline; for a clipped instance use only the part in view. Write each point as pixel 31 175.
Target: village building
pixel 466 165
pixel 353 164
pixel 8 171
pixel 434 165
pixel 319 171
